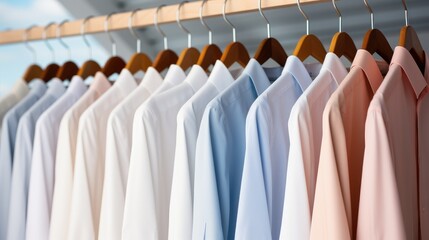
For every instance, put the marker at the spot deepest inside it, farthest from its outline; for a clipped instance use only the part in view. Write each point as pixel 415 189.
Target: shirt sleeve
pixel 297 204
pixel 380 214
pixel 254 217
pixel 207 223
pixel 140 206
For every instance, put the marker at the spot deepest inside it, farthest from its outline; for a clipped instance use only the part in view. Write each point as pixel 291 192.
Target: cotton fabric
pixel 18 92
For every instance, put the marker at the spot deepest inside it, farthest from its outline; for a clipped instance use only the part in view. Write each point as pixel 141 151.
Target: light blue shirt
pixel 8 135
pixel 267 147
pixel 220 153
pixel 22 160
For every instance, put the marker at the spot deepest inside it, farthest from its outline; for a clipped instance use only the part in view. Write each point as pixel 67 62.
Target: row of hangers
pixel 270 48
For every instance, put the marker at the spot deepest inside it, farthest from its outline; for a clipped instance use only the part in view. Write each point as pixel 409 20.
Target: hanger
pixel 309 44
pixel 409 39
pixel 235 51
pixel 270 47
pixel 33 71
pixel 189 56
pixel 211 52
pixel 90 67
pixel 139 61
pixel 52 69
pixel 374 40
pixel 166 57
pixel 342 44
pixel 69 68
pixel 114 64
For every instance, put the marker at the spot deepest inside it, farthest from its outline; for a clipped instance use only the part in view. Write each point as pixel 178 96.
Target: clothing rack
pixel 167 14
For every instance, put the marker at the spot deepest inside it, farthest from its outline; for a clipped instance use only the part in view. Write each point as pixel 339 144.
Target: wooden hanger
pixel 409 39
pixel 342 44
pixel 52 69
pixel 235 52
pixel 34 71
pixel 113 65
pixel 90 67
pixel 309 45
pixel 69 68
pixel 374 40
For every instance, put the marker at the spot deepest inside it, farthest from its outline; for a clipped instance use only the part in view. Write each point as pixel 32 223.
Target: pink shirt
pixel 389 204
pixel 336 199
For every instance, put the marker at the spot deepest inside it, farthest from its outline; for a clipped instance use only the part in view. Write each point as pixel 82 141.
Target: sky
pixel 15 58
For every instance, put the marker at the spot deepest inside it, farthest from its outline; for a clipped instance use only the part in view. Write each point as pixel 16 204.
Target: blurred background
pixel 287 26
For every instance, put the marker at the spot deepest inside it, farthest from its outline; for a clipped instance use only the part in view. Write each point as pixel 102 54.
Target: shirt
pixel 389 203
pixel 22 160
pixel 188 124
pixel 220 153
pixel 151 174
pixel 65 157
pixel 133 219
pixel 336 199
pixel 43 161
pixel 7 146
pixel 90 156
pixel 262 190
pixel 305 131
pixel 118 151
pixel 18 92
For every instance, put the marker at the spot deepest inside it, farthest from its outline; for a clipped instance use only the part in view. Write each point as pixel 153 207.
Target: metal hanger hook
pixel 266 19
pixel 370 12
pixel 406 12
pixel 106 30
pixel 155 20
pixel 298 2
pixel 340 17
pixel 131 28
pixel 51 49
pixel 180 23
pixel 60 39
pixel 204 23
pixel 234 34
pixel 82 33
pixel 28 46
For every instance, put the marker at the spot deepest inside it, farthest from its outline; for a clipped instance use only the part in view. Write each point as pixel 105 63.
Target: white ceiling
pixel 287 24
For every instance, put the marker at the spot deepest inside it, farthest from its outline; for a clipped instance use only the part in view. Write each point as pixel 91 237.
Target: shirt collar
pixel 20 88
pixel 258 76
pixel 125 82
pixel 151 80
pixel 38 87
pixel 76 85
pixel 366 62
pixel 100 83
pixel 334 65
pixel 196 78
pixel 175 74
pixel 403 58
pixel 56 87
pixel 298 70
pixel 220 76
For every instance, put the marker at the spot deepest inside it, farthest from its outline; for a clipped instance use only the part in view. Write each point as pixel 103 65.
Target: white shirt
pixel 22 160
pixel 188 125
pixel 43 162
pixel 118 151
pixel 65 156
pixel 266 156
pixel 18 92
pixel 151 166
pixel 90 156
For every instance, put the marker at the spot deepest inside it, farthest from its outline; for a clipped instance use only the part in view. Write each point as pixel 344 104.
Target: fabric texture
pixel 18 92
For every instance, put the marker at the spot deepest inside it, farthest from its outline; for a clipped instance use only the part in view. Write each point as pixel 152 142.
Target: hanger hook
pixel 155 20
pixel 106 30
pixel 28 46
pixel 340 17
pixel 406 12
pixel 298 2
pixel 370 12
pixel 131 28
pixel 47 42
pixel 180 24
pixel 234 35
pixel 266 19
pixel 82 33
pixel 60 39
pixel 204 23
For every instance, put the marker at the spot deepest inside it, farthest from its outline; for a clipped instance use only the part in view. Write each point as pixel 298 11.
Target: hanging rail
pixel 144 18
